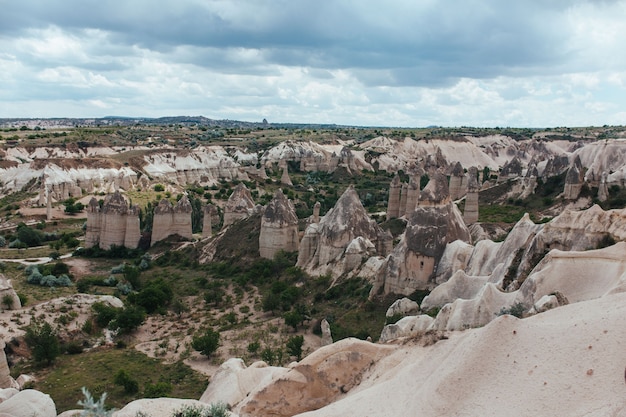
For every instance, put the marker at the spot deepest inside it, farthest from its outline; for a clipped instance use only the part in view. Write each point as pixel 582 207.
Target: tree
pixel 130 385
pixel 293 319
pixel 43 342
pixel 30 237
pixel 206 343
pixel 129 319
pixel 72 206
pixel 294 346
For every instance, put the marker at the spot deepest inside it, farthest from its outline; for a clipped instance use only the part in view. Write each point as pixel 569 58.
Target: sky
pixel 404 63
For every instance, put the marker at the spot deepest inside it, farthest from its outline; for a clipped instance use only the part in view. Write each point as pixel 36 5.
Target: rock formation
pixel 327 337
pixel 393 204
pixel 284 178
pixel 574 180
pixel 458 182
pixel 413 195
pixel 412 263
pixel 436 192
pixel 207 221
pixel 403 194
pixel 470 212
pixel 279 227
pixel 6 381
pixel 8 293
pixel 171 220
pixel 410 326
pixel 28 403
pixel 316 212
pixel 114 224
pixel 603 189
pixel 324 247
pixel 239 205
pixel 403 307
pixel 556 165
pixel 512 169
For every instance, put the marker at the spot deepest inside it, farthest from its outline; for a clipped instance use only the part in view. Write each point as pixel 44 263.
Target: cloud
pixel 345 61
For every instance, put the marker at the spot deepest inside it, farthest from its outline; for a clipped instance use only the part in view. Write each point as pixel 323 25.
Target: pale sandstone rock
pixel 603 189
pixel 410 326
pixel 436 192
pixel 156 407
pixel 456 256
pixel 29 403
pixel 404 190
pixel 279 227
pixel 574 180
pixel 458 182
pixel 207 220
pixel 171 220
pixel 6 381
pixel 319 379
pixel 411 265
pixel 284 179
pixel 456 377
pixel 6 290
pixel 24 380
pixel 393 204
pixel 6 393
pixel 239 205
pixel 334 233
pixel 460 285
pixel 114 224
pixel 233 381
pixel 413 195
pixel 470 212
pixel 403 306
pixel 327 337
pixel 512 169
pixel 316 212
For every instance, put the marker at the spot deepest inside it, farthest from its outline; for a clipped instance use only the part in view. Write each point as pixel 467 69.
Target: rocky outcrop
pixel 279 227
pixel 327 337
pixel 603 189
pixel 403 193
pixel 412 263
pixel 6 381
pixel 157 407
pixel 115 223
pixel 404 307
pixel 8 296
pixel 324 248
pixel 284 179
pixel 510 170
pixel 436 192
pixel 239 205
pixel 411 326
pixel 207 220
pixel 413 195
pixel 458 182
pixel 318 380
pixel 393 203
pixel 470 212
pixel 555 165
pixel 171 220
pixel 28 403
pixel 233 381
pixel 574 180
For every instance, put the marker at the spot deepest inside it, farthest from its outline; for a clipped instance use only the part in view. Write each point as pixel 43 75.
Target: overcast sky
pixel 520 63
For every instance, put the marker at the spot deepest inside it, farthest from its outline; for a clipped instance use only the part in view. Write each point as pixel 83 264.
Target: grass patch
pixel 96 371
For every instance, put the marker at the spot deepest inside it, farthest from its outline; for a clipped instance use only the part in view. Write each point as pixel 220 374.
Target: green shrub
pixel 294 346
pixel 206 343
pixel 123 379
pixel 160 389
pixel 93 408
pixel 43 342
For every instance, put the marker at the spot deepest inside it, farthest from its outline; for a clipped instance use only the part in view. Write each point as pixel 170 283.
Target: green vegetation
pixel 96 370
pixel 206 343
pixel 43 342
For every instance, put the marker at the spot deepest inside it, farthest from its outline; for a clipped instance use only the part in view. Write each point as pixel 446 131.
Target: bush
pixel 104 314
pixel 93 408
pixel 160 389
pixel 294 346
pixel 43 342
pixel 129 319
pixel 159 188
pixel 122 378
pixel 206 343
pixel 516 310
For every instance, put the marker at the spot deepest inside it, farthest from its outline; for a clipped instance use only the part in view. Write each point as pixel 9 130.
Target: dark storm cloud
pixel 415 45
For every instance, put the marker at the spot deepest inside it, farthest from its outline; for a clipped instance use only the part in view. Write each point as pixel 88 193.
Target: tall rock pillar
pixel 412 196
pixel 470 213
pixel 393 205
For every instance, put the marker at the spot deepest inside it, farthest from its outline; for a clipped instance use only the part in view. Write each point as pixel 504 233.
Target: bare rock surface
pixel 279 227
pixel 29 403
pixel 239 206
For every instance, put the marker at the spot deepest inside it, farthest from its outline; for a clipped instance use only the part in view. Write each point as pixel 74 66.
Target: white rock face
pixel 29 403
pixel 233 381
pixel 6 290
pixel 410 326
pixel 171 220
pixel 239 206
pixel 403 306
pixel 116 223
pixel 156 407
pixel 459 286
pixel 279 227
pixel 6 381
pixel 454 378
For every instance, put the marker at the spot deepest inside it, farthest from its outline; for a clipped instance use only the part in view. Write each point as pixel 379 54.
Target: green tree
pixel 294 346
pixel 130 385
pixel 43 342
pixel 129 319
pixel 293 319
pixel 30 237
pixel 206 343
pixel 72 206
